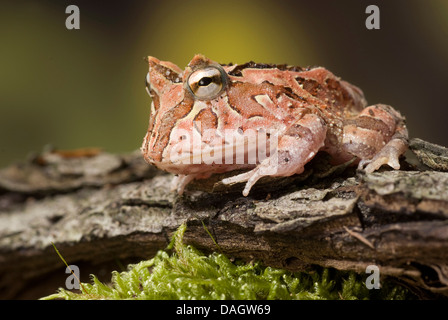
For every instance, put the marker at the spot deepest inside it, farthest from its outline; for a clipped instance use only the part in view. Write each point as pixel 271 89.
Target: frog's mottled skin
pixel 310 109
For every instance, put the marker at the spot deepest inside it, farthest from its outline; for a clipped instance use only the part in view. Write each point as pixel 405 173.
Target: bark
pixel 100 208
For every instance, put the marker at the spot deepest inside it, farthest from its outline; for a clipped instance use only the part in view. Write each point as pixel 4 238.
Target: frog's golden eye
pixel 207 83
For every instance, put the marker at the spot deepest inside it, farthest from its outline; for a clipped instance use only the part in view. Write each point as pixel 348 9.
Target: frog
pixel 296 112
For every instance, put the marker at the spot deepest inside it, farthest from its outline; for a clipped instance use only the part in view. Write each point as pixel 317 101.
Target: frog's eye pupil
pixel 205 81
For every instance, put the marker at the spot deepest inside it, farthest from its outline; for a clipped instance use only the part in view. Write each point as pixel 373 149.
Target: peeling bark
pixel 98 208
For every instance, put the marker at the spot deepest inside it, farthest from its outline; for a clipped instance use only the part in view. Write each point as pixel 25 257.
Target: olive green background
pixel 85 88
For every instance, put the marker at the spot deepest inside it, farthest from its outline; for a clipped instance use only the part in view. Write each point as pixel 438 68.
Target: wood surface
pixel 104 210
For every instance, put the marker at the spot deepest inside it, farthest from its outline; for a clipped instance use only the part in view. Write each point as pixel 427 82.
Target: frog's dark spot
pixel 300 132
pixel 310 85
pixel 237 72
pixel 289 93
pixel 268 82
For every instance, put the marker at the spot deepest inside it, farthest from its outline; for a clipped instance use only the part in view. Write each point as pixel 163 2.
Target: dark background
pixel 85 88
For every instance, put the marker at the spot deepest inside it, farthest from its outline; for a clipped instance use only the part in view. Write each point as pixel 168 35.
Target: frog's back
pixel 315 85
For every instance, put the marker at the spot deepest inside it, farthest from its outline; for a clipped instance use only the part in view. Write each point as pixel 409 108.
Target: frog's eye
pixel 207 83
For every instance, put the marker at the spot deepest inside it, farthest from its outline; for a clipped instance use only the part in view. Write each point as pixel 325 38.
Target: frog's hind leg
pixel 377 136
pixel 296 147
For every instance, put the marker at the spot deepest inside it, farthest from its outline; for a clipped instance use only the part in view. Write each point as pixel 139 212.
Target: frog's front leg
pixel 180 181
pixel 377 136
pixel 297 146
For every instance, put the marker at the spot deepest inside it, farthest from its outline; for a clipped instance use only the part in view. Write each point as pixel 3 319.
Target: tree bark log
pixel 98 208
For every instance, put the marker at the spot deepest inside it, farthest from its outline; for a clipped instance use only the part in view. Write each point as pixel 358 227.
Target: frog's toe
pixel 181 181
pixel 174 183
pixel 251 177
pixel 374 164
pixel 238 178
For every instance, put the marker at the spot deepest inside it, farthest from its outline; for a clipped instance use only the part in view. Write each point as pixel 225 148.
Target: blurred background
pixel 85 88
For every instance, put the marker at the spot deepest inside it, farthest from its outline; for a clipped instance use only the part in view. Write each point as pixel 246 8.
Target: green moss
pixel 188 274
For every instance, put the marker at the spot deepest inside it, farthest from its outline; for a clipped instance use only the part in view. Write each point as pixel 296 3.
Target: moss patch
pixel 188 274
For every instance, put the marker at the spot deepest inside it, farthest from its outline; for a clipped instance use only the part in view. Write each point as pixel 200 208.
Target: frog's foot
pixel 377 136
pixel 295 148
pixel 267 167
pixel 388 155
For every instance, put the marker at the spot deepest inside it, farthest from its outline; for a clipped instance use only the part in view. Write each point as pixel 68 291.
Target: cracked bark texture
pixel 103 210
